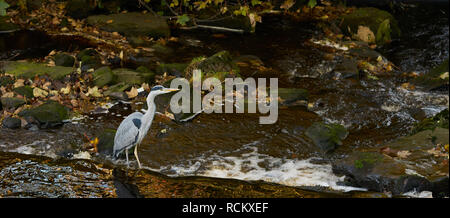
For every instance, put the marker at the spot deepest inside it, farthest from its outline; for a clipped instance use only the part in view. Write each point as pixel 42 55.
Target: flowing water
pixel 235 145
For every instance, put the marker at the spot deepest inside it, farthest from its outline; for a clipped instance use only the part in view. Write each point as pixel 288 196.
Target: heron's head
pixel 159 90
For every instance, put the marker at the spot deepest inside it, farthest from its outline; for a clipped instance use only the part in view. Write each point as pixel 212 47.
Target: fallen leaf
pixel 37 92
pixel 19 83
pixel 94 92
pixel 132 93
pixel 403 154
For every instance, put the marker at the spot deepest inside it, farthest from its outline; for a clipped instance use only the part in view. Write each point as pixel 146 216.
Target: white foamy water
pixel 252 166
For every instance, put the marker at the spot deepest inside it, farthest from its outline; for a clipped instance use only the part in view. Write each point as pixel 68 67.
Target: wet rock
pixel 80 8
pixel 347 68
pixel 290 96
pixel 49 114
pixel 29 70
pixel 233 22
pixel 173 69
pixel 89 58
pixel 26 91
pixel 398 166
pixel 132 24
pixel 117 88
pixel 326 136
pixel 43 177
pixel 370 25
pixel 436 79
pixel 118 96
pixel 12 123
pixel 439 120
pixel 161 49
pixel 365 53
pixel 37 176
pixel 131 77
pixel 63 59
pixel 6 26
pixel 103 76
pixel 12 103
pixel 106 142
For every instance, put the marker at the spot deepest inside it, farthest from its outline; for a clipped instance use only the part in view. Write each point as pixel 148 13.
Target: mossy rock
pixel 220 65
pixel 436 79
pixel 326 136
pixel 132 77
pixel 132 24
pixel 382 24
pixel 6 27
pixel 49 114
pixel 87 52
pixel 29 70
pixel 397 166
pixel 12 102
pixel 119 87
pixel 26 91
pixel 439 120
pixel 174 69
pixel 103 76
pixel 289 96
pixel 64 59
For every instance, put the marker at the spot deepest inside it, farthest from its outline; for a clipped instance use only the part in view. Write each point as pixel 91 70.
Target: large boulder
pixel 326 136
pixel 48 115
pixel 29 70
pixel 418 162
pixel 132 24
pixel 370 25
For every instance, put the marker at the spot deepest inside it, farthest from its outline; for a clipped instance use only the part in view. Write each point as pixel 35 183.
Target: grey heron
pixel 133 129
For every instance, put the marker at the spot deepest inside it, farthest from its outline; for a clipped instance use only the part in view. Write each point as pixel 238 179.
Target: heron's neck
pixel 147 118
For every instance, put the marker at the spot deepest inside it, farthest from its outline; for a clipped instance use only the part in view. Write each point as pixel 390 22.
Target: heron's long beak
pixel 171 90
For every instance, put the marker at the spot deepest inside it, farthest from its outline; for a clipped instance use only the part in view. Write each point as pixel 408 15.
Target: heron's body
pixel 134 128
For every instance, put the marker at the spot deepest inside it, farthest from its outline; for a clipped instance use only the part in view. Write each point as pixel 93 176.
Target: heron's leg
pixel 137 158
pixel 126 154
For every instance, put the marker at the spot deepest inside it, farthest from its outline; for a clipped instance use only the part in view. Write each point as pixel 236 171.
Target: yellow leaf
pixel 132 93
pixel 94 92
pixel 37 92
pixel 403 154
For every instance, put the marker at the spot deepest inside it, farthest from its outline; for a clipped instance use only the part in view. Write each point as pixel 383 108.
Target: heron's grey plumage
pixel 133 129
pixel 127 133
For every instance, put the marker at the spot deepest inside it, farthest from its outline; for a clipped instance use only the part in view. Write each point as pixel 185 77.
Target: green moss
pixel 26 91
pixel 29 70
pixel 49 112
pixel 327 136
pixel 367 160
pixel 433 79
pixel 439 120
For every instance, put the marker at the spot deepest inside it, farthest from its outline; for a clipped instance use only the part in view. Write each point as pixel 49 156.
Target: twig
pixel 147 7
pixel 214 28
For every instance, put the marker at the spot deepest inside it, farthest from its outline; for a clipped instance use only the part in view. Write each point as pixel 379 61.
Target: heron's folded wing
pixel 126 135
